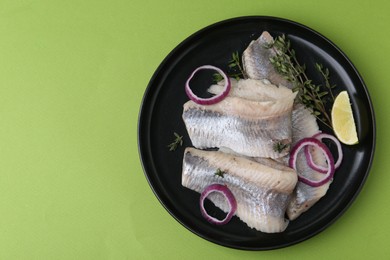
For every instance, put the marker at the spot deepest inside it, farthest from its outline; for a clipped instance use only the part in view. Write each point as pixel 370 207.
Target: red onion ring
pixel 214 99
pixel 328 155
pixel 309 158
pixel 224 190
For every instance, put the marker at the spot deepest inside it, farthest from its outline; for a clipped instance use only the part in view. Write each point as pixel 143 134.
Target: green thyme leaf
pixel 219 173
pixel 217 77
pixel 177 142
pixel 280 146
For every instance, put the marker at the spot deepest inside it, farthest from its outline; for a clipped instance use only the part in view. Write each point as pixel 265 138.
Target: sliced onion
pixel 214 99
pixel 328 155
pixel 309 158
pixel 224 190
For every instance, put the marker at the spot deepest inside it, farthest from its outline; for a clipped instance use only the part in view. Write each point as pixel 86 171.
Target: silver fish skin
pixel 305 196
pixel 262 192
pixel 248 127
pixel 257 64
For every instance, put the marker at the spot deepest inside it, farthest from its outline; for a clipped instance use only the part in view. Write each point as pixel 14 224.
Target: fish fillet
pixel 248 127
pixel 305 196
pixel 262 192
pixel 257 64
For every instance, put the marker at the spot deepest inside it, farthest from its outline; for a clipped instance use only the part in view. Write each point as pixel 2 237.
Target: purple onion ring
pixel 224 190
pixel 214 99
pixel 328 155
pixel 309 158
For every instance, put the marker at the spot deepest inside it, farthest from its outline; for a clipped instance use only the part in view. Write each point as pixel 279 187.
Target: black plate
pixel 161 111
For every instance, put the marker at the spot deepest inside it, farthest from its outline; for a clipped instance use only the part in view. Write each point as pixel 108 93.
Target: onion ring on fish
pixel 309 158
pixel 214 99
pixel 224 190
pixel 328 155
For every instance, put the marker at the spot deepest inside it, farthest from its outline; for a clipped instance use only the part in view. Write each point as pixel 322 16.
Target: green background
pixel 72 77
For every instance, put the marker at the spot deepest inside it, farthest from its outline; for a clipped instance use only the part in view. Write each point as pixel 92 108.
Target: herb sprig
pixel 325 74
pixel 178 141
pixel 219 173
pixel 311 95
pixel 236 68
pixel 280 146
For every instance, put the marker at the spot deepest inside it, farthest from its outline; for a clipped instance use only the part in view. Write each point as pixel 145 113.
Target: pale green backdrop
pixel 72 76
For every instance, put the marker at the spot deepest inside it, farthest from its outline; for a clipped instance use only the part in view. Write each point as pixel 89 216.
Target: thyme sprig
pixel 280 146
pixel 311 95
pixel 219 173
pixel 235 67
pixel 178 141
pixel 235 63
pixel 325 74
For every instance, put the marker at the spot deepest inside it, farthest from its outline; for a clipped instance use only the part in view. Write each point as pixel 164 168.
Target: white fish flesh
pixel 256 90
pixel 305 196
pixel 262 192
pixel 257 64
pixel 246 126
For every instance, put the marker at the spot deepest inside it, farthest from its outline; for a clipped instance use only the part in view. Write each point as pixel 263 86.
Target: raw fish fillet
pixel 305 196
pixel 262 192
pixel 248 127
pixel 256 63
pixel 258 66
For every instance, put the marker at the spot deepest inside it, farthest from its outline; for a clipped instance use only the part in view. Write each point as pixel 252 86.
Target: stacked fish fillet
pixel 258 115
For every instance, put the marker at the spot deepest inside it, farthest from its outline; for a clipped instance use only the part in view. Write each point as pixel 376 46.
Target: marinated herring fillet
pixel 256 61
pixel 262 192
pixel 246 126
pixel 305 196
pixel 257 65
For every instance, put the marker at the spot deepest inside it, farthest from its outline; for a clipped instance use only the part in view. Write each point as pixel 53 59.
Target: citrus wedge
pixel 343 121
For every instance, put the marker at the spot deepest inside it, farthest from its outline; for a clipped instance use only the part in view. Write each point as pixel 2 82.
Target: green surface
pixel 72 76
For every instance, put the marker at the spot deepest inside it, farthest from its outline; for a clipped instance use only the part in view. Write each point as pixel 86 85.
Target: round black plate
pixel 160 117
